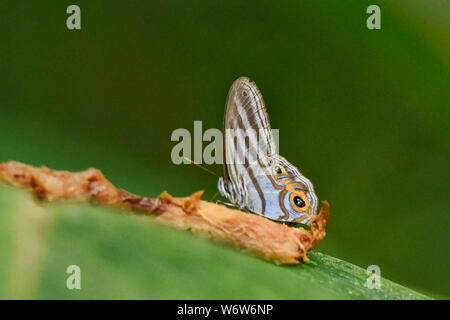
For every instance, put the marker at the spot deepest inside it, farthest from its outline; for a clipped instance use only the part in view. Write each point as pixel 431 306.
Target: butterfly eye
pixel 299 202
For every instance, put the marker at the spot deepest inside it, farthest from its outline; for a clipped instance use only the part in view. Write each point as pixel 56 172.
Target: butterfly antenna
pixel 201 167
pixel 212 199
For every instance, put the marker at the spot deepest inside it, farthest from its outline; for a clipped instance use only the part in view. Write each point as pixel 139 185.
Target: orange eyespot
pixel 281 175
pixel 298 199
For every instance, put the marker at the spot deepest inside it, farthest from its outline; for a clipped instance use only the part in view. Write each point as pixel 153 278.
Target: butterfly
pixel 256 178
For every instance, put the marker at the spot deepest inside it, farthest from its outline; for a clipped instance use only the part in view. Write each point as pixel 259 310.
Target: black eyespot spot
pixel 278 170
pixel 244 93
pixel 299 202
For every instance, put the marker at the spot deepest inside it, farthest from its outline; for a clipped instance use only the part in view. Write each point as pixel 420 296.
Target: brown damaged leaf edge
pixel 248 232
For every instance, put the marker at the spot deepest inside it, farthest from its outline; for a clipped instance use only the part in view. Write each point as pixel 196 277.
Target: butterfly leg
pixel 225 203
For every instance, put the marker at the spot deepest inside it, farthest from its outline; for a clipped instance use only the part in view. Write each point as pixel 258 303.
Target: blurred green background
pixel 364 114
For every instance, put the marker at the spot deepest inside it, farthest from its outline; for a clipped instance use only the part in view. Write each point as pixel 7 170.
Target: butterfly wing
pixel 247 132
pixel 247 137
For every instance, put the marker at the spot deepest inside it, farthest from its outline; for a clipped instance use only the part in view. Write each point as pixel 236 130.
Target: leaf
pixel 126 256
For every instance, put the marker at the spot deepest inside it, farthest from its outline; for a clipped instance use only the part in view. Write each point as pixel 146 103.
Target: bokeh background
pixel 364 114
